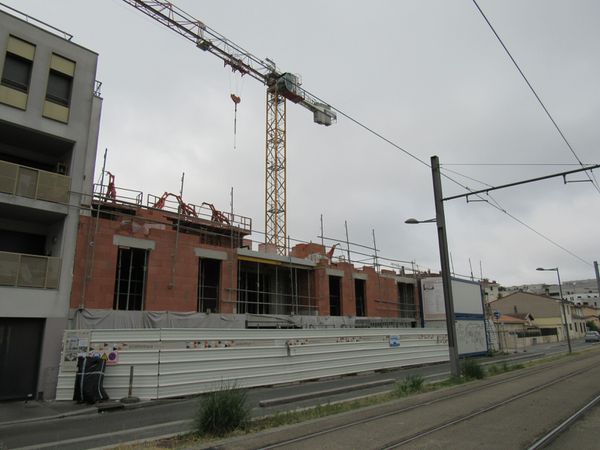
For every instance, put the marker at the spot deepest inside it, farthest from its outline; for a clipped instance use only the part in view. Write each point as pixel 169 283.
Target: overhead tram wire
pixel 592 178
pixel 416 158
pixel 393 144
pixel 496 205
pixel 514 164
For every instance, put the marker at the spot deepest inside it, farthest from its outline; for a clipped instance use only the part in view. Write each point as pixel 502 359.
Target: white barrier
pixel 176 362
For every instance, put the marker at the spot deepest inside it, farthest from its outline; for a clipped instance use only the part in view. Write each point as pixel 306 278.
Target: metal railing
pixel 121 195
pixel 98 88
pixel 203 212
pixel 39 23
pixel 34 183
pixel 23 270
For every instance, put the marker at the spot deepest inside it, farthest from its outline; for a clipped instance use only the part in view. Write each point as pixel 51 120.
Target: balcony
pixel 31 271
pixel 33 183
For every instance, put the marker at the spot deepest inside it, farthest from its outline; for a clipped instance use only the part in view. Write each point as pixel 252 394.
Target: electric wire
pixel 418 159
pixel 592 178
pixel 503 210
pixel 415 157
pixel 515 164
pixel 468 177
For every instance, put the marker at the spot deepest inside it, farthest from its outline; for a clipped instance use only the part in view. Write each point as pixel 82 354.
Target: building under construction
pixel 139 252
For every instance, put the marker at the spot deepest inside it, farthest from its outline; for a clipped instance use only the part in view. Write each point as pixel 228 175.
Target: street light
pixel 562 302
pixel 448 301
pixel 440 220
pixel 412 221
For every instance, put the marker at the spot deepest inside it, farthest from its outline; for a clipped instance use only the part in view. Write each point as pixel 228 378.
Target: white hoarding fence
pixel 176 362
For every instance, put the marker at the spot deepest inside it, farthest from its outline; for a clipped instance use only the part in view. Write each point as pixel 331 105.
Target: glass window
pixel 59 88
pixel 17 72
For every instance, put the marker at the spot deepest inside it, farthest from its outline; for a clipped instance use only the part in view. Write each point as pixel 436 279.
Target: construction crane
pixel 281 86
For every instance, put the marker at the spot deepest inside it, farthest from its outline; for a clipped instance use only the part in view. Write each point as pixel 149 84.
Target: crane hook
pixel 236 100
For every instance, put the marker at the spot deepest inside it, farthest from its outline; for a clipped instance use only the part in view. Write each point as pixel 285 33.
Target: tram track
pixel 550 437
pixel 298 440
pixel 463 418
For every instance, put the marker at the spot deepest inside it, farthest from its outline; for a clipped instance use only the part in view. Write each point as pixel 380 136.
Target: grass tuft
pixel 223 411
pixel 412 384
pixel 472 370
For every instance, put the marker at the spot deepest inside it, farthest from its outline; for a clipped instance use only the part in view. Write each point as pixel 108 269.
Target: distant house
pixel 491 290
pixel 545 311
pixel 591 314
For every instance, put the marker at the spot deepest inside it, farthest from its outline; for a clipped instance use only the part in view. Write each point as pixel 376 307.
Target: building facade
pixel 49 123
pixel 546 313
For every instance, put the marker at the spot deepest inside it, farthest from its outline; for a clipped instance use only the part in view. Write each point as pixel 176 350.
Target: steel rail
pixel 479 412
pixel 416 406
pixel 565 425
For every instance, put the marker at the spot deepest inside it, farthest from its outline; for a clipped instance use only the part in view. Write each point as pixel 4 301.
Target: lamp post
pixel 440 220
pixel 562 302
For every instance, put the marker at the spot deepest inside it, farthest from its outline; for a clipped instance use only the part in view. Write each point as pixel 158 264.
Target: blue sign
pixel 496 315
pixel 394 341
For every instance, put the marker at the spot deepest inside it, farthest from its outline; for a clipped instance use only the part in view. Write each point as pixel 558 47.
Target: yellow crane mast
pixel 281 86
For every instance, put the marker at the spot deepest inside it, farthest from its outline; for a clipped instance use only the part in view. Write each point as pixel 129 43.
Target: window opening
pixel 273 289
pixel 130 283
pixel 359 294
pixel 209 274
pixel 17 72
pixel 406 297
pixel 254 287
pixel 335 296
pixel 59 88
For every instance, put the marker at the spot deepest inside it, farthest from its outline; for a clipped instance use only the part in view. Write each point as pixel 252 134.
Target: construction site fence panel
pixel 180 362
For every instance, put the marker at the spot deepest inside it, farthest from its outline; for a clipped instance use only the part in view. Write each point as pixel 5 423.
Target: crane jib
pixel 280 86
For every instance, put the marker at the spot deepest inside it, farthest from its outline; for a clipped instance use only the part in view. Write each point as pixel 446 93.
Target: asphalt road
pixel 165 418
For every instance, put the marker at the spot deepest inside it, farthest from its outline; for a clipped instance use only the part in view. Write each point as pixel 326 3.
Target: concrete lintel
pixel 360 276
pixel 126 241
pixel 210 254
pixel 406 280
pixel 334 272
pixel 275 258
pixel 399 279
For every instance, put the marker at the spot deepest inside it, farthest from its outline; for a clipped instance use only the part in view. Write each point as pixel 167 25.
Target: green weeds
pixel 223 411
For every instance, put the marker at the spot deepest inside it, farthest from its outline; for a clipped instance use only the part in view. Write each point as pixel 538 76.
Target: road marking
pixel 102 436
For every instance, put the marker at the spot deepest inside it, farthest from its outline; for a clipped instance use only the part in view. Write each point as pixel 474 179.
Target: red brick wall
pixel 168 287
pixel 168 291
pixel 305 250
pixel 321 280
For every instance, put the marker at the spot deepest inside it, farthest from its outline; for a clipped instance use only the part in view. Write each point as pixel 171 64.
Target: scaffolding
pixel 275 289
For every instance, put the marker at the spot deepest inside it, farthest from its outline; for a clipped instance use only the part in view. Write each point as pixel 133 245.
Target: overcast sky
pixel 428 75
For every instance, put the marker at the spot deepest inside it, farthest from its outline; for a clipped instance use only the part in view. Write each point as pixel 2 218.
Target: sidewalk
pixel 31 411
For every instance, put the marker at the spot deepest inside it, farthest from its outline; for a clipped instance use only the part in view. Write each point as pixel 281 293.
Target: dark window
pixel 253 289
pixel 208 285
pixel 359 293
pixel 406 296
pixel 335 296
pixel 59 88
pixel 17 72
pixel 130 283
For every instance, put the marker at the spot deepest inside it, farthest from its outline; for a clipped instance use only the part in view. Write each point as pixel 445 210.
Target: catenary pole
pixel 445 263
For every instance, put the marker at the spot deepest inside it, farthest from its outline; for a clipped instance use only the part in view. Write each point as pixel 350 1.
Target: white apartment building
pixel 49 123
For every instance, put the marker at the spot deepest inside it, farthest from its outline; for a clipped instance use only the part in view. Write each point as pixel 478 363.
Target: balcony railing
pixel 33 183
pixel 33 271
